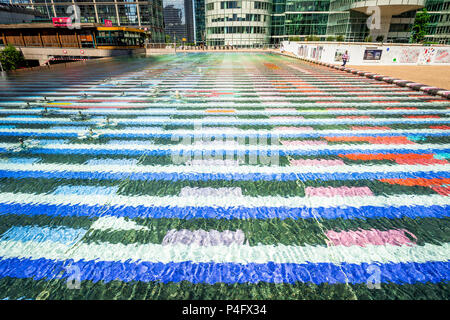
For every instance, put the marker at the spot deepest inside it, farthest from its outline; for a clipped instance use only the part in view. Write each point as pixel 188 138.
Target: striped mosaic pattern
pixel 221 176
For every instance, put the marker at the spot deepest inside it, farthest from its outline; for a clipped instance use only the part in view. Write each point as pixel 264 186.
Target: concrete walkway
pixel 436 76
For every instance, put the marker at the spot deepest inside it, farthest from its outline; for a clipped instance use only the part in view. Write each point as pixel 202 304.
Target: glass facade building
pixel 131 13
pixel 257 22
pixel 439 27
pixel 174 27
pixel 179 20
pixel 297 19
pixel 304 17
pixel 241 23
pixel 349 19
pixel 199 22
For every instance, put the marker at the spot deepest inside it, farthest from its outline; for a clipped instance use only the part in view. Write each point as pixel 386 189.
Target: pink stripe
pixel 96 107
pixel 294 129
pixel 362 238
pixel 317 162
pixel 370 128
pixel 303 142
pixel 340 191
pixel 354 117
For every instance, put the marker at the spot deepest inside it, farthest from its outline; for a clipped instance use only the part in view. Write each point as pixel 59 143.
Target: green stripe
pixel 396 126
pixel 149 160
pixel 376 106
pixel 248 126
pixel 173 188
pixel 57 290
pixel 279 232
pixel 326 115
pixel 267 232
pixel 438 140
pixel 167 160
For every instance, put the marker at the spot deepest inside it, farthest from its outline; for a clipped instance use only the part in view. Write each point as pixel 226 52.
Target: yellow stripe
pixel 220 111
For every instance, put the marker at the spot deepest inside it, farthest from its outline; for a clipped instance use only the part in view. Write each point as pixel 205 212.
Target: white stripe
pixel 173 111
pixel 229 131
pixel 221 98
pixel 110 223
pixel 242 169
pixel 226 202
pixel 179 148
pixel 230 121
pixel 140 91
pixel 222 254
pixel 228 103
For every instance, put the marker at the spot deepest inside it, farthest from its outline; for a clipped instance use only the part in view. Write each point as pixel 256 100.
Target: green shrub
pixel 11 58
pixel 419 29
pixel 312 38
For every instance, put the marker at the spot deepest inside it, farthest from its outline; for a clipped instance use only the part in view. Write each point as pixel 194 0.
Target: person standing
pixel 344 58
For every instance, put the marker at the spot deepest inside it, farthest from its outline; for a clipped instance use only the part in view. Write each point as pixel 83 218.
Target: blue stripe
pixel 103 161
pixel 195 212
pixel 207 153
pixel 85 190
pixel 219 134
pixel 173 111
pixel 232 176
pixel 253 122
pixel 37 116
pixel 210 273
pixel 68 236
pixel 23 160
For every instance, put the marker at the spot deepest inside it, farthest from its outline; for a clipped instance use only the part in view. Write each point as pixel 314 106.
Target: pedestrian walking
pixel 344 58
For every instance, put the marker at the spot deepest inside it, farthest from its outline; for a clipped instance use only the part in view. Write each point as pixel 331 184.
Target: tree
pixel 419 28
pixel 11 58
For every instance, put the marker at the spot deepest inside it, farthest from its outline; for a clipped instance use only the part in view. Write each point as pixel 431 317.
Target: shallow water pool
pixel 221 176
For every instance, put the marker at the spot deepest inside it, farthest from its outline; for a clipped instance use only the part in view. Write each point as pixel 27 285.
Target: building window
pixel 261 5
pixel 230 4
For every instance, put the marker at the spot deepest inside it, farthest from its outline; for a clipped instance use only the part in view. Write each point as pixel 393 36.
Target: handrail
pixel 208 47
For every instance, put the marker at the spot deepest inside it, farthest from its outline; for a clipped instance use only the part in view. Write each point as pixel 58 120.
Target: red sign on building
pixel 108 23
pixel 62 21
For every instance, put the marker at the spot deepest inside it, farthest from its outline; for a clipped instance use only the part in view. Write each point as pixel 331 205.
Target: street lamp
pixel 174 42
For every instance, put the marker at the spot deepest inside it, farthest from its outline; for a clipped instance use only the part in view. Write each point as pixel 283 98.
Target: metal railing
pixel 184 47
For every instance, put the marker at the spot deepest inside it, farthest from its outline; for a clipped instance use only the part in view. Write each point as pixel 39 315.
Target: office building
pixel 226 21
pixel 241 23
pixel 199 22
pixel 146 15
